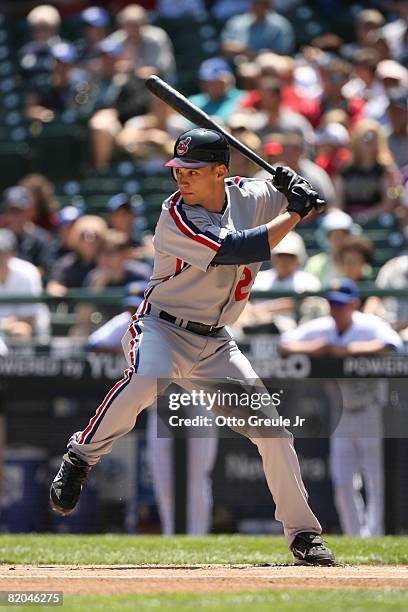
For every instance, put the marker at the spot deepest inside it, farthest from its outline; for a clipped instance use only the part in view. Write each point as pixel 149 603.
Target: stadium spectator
pixel 289 150
pixel 259 29
pixel 95 21
pixel 113 266
pixel 35 56
pixel 65 220
pixel 19 277
pixel 365 187
pixel 123 217
pixel 147 137
pixel 273 117
pixel 276 315
pixel 47 100
pixel 335 226
pixel 281 67
pixel 116 97
pixel 366 85
pixel 334 74
pixel 394 309
pixel 33 243
pixel 147 49
pixel 43 202
pixel 331 148
pixel 356 446
pixel 397 134
pixel 240 165
pixel 355 258
pixel 366 23
pixel 219 97
pixel 392 74
pixel 396 33
pixel 85 241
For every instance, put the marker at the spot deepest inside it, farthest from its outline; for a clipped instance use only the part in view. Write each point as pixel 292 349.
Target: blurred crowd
pixel 335 110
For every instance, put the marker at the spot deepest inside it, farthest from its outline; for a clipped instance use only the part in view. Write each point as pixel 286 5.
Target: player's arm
pixel 318 347
pixel 254 245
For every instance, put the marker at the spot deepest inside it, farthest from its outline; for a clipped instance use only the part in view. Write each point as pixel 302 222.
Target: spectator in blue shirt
pixel 219 97
pixel 260 28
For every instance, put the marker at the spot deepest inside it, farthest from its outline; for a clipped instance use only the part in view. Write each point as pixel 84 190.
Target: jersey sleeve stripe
pixel 188 228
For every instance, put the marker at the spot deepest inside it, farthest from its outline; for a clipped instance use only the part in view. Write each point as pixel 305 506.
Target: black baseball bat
pixel 179 103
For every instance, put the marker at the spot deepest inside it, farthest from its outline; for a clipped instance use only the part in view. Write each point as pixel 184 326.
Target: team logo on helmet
pixel 182 146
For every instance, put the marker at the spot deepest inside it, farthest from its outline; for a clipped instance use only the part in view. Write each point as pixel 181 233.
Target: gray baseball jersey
pixel 184 282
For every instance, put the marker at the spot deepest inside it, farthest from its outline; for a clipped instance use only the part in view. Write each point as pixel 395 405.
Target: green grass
pixel 261 601
pixel 123 549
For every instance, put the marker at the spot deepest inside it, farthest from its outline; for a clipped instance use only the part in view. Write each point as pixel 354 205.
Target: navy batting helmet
pixel 198 148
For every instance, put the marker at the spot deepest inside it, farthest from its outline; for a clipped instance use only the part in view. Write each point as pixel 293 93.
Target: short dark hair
pixel 359 244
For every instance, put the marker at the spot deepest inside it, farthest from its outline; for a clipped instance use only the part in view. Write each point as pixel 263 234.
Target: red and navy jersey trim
pixel 136 332
pixel 188 228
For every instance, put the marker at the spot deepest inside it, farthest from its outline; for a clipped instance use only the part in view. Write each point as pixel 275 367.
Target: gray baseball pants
pixel 157 349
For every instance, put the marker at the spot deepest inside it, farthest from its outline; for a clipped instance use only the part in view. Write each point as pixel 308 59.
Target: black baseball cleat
pixel 67 485
pixel 308 549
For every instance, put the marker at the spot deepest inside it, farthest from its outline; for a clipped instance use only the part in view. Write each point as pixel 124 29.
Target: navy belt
pixel 193 326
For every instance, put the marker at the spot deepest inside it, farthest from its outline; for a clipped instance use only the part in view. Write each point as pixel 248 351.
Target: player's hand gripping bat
pixel 179 103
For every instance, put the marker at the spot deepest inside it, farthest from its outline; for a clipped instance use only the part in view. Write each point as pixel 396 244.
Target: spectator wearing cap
pixel 286 274
pixel 19 277
pixel 116 98
pixel 369 185
pixel 335 226
pixel 397 133
pixel 95 22
pixel 85 242
pixel 123 217
pixel 44 203
pixel 331 148
pixel 356 447
pixel 392 74
pixel 147 49
pixel 65 220
pixel 35 56
pixel 33 243
pixel 219 97
pixel 396 33
pixel 367 22
pixel 46 101
pixel 259 29
pixel 288 149
pixel 274 117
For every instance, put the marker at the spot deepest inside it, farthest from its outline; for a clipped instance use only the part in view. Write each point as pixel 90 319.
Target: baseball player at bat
pixel 211 237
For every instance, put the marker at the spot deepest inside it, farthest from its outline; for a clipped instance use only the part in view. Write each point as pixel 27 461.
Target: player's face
pixel 199 185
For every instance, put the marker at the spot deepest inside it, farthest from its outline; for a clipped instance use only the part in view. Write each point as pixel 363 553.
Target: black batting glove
pixel 285 179
pixel 303 199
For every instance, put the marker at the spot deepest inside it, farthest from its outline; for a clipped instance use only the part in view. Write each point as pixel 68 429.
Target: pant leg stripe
pixel 95 421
